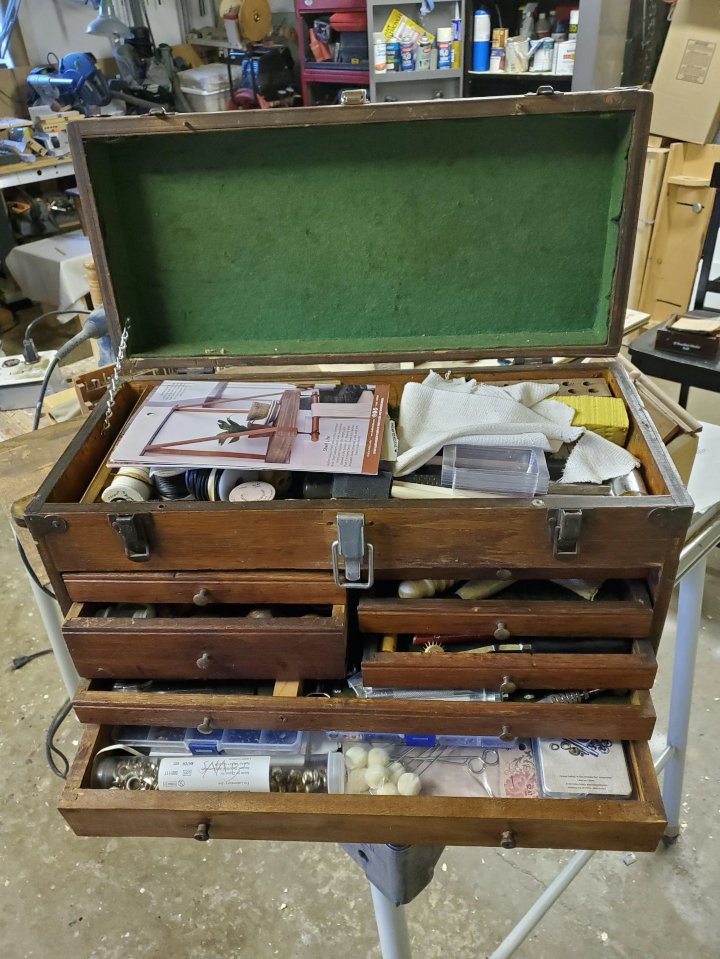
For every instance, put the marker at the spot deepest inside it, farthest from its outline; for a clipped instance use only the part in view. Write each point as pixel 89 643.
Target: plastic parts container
pixel 178 741
pixel 508 471
pixel 208 88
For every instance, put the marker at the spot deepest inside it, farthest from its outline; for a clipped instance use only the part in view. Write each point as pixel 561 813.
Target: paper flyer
pixel 329 428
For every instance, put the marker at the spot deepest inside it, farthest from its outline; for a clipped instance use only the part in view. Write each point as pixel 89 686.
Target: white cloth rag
pixel 440 411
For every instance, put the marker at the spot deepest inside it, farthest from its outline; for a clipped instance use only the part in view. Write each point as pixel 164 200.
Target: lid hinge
pixel 565 531
pixel 350 545
pixel 134 529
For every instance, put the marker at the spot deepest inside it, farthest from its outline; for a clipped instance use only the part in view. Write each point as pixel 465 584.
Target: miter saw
pixel 74 82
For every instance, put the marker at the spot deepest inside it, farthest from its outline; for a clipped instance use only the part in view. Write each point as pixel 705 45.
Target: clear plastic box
pixel 502 470
pixel 179 741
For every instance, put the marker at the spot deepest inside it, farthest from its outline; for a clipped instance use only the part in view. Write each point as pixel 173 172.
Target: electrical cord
pixel 27 342
pixel 20 661
pixel 31 572
pixel 94 327
pixel 51 750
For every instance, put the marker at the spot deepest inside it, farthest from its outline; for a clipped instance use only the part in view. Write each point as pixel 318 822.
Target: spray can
pixel 392 56
pixel 444 41
pixel 407 55
pixel 457 37
pixel 379 53
pixel 481 40
pixel 424 53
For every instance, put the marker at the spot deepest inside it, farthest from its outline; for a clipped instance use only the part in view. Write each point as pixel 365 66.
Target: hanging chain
pixel 115 380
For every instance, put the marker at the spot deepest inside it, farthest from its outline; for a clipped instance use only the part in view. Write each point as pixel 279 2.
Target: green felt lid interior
pixel 494 232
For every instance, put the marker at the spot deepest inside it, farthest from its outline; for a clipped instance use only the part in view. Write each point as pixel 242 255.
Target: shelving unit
pixel 416 84
pixel 319 82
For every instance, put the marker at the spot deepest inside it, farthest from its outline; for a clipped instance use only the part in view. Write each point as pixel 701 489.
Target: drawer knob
pixel 205 726
pixel 505 734
pixel 202 833
pixel 507 686
pixel 502 633
pixel 507 840
pixel 204 661
pixel 202 597
pixel 503 574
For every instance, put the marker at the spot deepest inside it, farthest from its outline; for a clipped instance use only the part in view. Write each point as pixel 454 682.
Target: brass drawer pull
pixel 507 686
pixel 204 661
pixel 507 840
pixel 202 833
pixel 505 734
pixel 202 597
pixel 206 726
pixel 502 633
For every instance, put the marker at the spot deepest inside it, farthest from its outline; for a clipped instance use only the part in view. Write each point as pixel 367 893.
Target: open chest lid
pixel 385 232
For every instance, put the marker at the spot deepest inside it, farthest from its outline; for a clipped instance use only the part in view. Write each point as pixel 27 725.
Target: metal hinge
pixel 134 529
pixel 354 98
pixel 350 545
pixel 545 90
pixel 45 525
pixel 565 530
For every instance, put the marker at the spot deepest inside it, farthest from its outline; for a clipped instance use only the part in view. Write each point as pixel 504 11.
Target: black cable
pixel 20 661
pixel 43 390
pixel 31 572
pixel 50 747
pixel 43 316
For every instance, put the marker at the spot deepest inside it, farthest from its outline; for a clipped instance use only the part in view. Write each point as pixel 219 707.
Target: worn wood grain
pixel 521 618
pixel 635 823
pixel 633 716
pixel 227 587
pixel 635 670
pixel 200 647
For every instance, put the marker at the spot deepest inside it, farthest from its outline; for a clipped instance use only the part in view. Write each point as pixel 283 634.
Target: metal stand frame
pixel 389 913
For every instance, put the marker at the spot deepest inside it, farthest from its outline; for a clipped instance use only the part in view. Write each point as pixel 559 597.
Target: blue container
pixel 481 40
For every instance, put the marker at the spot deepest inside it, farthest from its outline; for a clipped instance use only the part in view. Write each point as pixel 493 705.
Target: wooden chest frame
pixel 184 551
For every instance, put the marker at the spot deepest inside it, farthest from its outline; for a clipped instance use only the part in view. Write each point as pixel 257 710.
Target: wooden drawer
pixel 631 716
pixel 635 669
pixel 635 823
pixel 203 588
pixel 627 611
pixel 207 646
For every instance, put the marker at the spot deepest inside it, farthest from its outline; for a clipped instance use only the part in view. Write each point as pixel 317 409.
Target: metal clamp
pixel 565 525
pixel 351 545
pixel 134 530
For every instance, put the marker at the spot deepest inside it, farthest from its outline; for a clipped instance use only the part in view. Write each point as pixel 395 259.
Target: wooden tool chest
pixel 383 234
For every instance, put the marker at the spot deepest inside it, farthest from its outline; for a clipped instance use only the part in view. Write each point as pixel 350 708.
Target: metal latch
pixel 565 526
pixel 134 530
pixel 354 98
pixel 351 546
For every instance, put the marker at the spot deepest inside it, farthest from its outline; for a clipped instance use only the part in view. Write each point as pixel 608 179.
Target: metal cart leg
pixel 391 926
pixel 52 621
pixel 690 596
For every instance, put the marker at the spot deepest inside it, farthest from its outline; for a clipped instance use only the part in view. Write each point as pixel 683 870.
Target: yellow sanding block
pixel 605 415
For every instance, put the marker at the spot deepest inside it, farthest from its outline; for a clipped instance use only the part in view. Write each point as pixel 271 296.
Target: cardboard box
pixel 687 80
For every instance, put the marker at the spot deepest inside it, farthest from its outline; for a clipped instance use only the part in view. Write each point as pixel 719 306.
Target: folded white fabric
pixel 440 411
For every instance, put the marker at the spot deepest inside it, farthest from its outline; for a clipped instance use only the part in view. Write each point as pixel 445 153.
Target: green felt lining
pixel 488 232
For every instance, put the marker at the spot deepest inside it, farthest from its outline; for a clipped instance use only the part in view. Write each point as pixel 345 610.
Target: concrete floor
pixel 70 898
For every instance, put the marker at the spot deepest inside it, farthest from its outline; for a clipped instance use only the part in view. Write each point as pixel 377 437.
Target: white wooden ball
pixel 378 757
pixel 356 757
pixel 409 784
pixel 387 789
pixel 356 782
pixel 376 775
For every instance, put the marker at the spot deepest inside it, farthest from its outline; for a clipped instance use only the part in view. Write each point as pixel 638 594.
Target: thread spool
pixel 170 483
pixel 131 484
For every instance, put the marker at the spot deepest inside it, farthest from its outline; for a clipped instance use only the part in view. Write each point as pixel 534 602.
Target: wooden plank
pixel 633 716
pixel 679 230
pixel 520 618
pixel 635 823
pixel 205 648
pixel 652 184
pixel 274 587
pixel 416 670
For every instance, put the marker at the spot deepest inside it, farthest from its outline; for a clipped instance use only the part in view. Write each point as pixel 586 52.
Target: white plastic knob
pixel 409 784
pixel 356 757
pixel 378 757
pixel 376 775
